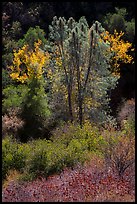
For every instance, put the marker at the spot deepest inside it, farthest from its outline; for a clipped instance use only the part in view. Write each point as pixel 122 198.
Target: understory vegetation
pixel 110 152
pixel 60 138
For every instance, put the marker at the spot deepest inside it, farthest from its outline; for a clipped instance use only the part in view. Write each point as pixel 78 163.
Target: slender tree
pixel 85 57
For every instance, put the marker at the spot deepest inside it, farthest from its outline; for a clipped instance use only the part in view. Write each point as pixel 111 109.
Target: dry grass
pixel 13 176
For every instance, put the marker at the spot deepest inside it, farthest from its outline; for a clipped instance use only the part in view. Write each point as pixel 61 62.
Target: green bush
pixel 37 157
pixel 89 134
pixel 19 157
pixel 13 97
pixel 38 163
pixel 14 156
pixel 6 157
pixel 68 131
pixel 56 158
pixel 49 157
pixel 46 158
pixel 76 152
pixel 66 150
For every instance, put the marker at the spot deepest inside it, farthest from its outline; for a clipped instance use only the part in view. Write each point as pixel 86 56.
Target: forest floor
pixel 93 182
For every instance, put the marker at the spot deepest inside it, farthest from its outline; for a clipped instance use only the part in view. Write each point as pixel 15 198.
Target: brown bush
pixel 118 150
pixel 123 155
pixel 11 123
pixel 126 111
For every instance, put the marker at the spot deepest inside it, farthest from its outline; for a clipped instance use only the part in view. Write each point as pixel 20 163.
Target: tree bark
pixel 70 103
pixel 69 88
pixel 80 101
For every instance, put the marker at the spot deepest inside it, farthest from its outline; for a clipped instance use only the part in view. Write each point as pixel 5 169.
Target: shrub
pixel 6 157
pixel 38 163
pixel 127 112
pixel 123 155
pixel 49 157
pixel 19 156
pixel 69 131
pixel 118 149
pixel 41 157
pixel 76 152
pixel 46 158
pixel 56 157
pixel 14 156
pixel 13 97
pixel 11 123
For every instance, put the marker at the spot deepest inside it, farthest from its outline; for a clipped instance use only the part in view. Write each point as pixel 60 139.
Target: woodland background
pixel 47 155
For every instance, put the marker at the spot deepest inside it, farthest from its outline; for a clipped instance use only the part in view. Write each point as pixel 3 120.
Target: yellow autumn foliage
pixel 29 63
pixel 119 48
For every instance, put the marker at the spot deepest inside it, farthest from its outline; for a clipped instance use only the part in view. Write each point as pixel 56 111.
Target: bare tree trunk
pixel 80 101
pixel 70 103
pixel 69 88
pixel 80 112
